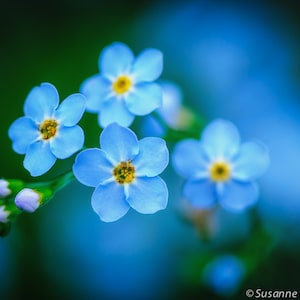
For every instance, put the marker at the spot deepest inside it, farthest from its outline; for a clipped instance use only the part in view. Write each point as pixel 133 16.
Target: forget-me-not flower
pixel 48 130
pixel 220 169
pixel 124 173
pixel 224 274
pixel 124 87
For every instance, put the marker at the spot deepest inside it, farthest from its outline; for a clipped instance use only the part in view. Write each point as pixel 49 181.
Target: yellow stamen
pixel 48 129
pixel 220 171
pixel 122 84
pixel 124 172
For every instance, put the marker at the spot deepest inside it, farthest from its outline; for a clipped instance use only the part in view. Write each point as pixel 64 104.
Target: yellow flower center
pixel 48 129
pixel 220 171
pixel 122 84
pixel 124 172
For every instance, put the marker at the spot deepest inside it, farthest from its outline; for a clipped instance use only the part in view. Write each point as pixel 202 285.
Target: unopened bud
pixel 4 190
pixel 28 200
pixel 3 214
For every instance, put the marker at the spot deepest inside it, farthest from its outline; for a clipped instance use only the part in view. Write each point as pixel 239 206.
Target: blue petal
pixel 68 141
pixel 71 110
pixel 41 102
pixel 148 65
pixel 200 193
pixel 39 158
pixel 115 110
pixel 238 196
pixel 251 162
pixel 96 89
pixel 189 159
pixel 153 157
pixel 23 132
pixel 152 127
pixel 92 167
pixel 221 139
pixel 144 99
pixel 147 195
pixel 119 143
pixel 108 201
pixel 115 60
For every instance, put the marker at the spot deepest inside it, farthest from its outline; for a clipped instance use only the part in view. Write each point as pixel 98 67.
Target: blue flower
pixel 47 132
pixel 124 172
pixel 220 169
pixel 125 86
pixel 224 275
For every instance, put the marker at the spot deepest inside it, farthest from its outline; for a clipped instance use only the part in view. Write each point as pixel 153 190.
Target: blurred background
pixel 237 60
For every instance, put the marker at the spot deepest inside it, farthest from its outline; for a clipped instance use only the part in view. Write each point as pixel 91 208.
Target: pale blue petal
pixel 108 201
pixel 153 157
pixel 92 167
pixel 115 110
pixel 23 132
pixel 41 102
pixel 221 139
pixel 97 90
pixel 251 161
pixel 147 195
pixel 119 143
pixel 189 159
pixel 200 193
pixel 144 99
pixel 115 60
pixel 238 196
pixel 67 141
pixel 39 158
pixel 71 110
pixel 148 65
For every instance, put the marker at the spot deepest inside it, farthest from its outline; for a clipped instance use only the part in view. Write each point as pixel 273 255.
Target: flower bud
pixel 3 214
pixel 4 190
pixel 28 200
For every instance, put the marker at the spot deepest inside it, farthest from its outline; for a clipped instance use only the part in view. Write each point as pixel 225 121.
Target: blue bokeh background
pixel 237 60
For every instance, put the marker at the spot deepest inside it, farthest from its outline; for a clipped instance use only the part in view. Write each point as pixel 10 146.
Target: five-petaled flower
pixel 220 169
pixel 48 131
pixel 124 173
pixel 124 87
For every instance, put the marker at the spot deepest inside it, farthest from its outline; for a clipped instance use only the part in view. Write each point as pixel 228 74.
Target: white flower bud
pixel 4 190
pixel 3 214
pixel 28 200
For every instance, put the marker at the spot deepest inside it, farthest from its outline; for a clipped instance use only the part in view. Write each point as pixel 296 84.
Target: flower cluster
pixel 125 171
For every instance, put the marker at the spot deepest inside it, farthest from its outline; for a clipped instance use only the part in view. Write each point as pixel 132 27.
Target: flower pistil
pixel 124 172
pixel 220 171
pixel 122 84
pixel 48 129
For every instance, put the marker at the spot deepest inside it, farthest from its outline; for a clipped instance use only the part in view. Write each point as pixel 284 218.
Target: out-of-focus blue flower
pixel 28 200
pixel 224 275
pixel 124 88
pixel 47 131
pixel 3 214
pixel 4 190
pixel 220 169
pixel 125 173
pixel 170 110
